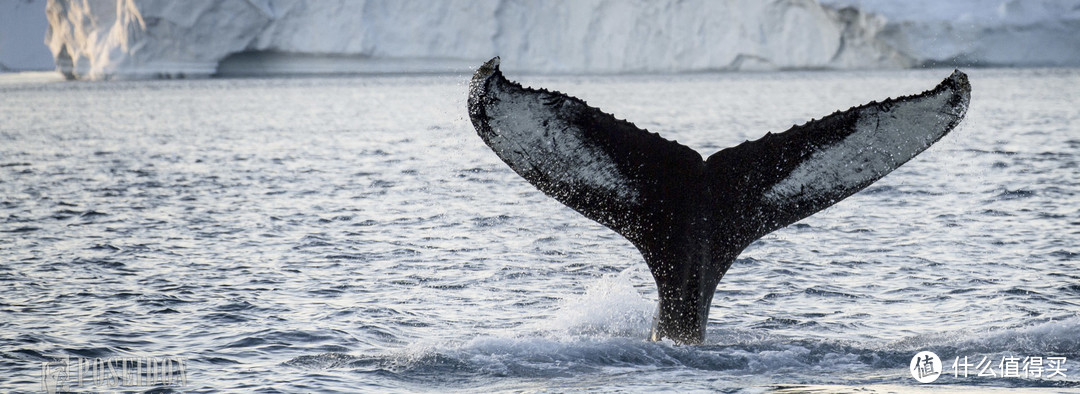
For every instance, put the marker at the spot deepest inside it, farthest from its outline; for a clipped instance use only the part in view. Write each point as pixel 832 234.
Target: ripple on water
pixel 309 235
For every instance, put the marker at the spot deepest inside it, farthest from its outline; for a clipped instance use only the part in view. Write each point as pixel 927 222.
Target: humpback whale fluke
pixel 690 218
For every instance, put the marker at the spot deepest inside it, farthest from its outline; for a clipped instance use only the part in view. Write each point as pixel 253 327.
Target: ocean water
pixel 354 234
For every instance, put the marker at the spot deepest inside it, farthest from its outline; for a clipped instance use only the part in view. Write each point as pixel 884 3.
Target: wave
pixel 774 359
pixel 602 332
pixel 1047 338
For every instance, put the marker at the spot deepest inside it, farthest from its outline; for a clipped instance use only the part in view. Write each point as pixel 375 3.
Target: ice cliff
pixel 105 39
pixel 148 38
pixel 1020 33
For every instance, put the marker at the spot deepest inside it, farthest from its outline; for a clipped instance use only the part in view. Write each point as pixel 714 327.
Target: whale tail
pixel 690 218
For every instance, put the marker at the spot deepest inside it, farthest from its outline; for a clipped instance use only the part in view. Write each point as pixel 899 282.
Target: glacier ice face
pixel 979 32
pixel 103 39
pixel 686 36
pixel 143 38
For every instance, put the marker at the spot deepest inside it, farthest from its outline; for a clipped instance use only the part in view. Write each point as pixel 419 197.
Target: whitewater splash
pixel 604 329
pixel 611 306
pixel 602 333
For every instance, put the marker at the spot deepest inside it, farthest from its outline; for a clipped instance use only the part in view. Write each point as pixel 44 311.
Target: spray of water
pixel 610 307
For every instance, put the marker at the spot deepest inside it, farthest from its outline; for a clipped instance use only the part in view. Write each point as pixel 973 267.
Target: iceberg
pixel 1014 33
pixel 124 39
pixel 155 39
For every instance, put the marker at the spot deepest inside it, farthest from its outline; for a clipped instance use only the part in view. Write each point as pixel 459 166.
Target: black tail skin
pixel 690 218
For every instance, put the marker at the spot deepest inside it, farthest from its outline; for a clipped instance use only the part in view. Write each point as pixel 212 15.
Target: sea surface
pixel 354 234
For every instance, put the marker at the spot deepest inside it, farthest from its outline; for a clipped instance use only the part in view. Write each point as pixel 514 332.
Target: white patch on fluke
pixel 530 133
pixel 883 140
